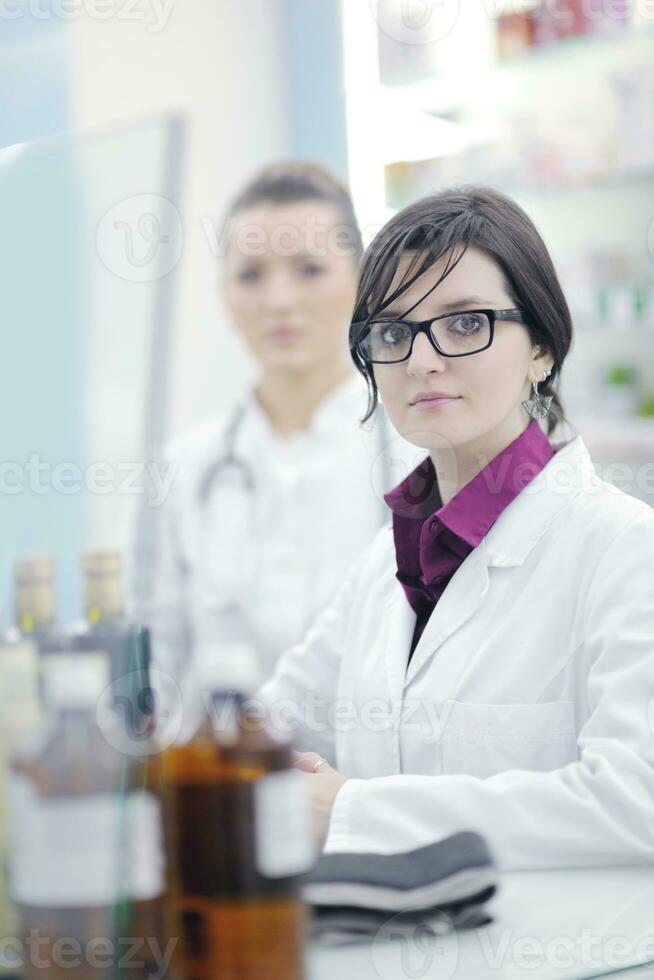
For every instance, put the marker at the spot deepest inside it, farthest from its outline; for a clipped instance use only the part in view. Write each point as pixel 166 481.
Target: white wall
pixel 223 64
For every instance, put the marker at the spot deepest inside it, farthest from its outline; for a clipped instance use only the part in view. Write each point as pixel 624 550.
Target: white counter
pixel 560 924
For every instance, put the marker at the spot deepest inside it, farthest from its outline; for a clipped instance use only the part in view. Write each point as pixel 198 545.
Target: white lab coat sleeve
pixel 598 810
pixel 300 695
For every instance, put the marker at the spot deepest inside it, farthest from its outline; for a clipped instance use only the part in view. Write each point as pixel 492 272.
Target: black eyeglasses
pixel 389 341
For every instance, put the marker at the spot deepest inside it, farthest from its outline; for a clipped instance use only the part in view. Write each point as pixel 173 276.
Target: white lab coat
pixel 528 705
pixel 255 568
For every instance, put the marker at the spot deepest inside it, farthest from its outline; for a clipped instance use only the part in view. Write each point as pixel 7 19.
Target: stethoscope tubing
pixel 229 458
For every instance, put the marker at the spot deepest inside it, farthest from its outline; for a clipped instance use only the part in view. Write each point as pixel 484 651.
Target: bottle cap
pixel 74 680
pixel 38 568
pixel 103 592
pixel 34 592
pixel 103 561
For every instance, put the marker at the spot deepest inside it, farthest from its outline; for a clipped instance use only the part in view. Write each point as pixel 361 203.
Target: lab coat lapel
pixel 461 599
pixel 516 532
pixel 401 623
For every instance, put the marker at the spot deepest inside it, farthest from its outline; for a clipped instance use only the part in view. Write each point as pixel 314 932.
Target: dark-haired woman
pixel 489 663
pixel 273 500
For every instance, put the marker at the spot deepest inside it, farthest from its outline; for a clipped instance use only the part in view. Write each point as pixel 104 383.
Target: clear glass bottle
pixel 127 645
pixel 34 600
pixel 20 708
pixel 85 863
pixel 237 836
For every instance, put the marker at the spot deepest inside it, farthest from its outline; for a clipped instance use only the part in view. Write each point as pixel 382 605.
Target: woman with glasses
pixel 489 663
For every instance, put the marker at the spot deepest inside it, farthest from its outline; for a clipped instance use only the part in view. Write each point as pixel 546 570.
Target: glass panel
pixel 86 304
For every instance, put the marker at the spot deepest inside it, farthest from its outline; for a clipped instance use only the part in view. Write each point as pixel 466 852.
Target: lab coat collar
pixel 523 523
pixel 345 403
pixel 519 528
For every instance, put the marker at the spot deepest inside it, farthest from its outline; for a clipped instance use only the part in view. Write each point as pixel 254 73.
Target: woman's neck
pixel 456 466
pixel 290 399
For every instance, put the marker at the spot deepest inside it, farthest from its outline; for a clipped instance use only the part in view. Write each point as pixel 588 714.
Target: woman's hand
pixel 323 785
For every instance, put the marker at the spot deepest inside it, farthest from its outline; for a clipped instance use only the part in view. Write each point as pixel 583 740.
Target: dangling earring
pixel 538 405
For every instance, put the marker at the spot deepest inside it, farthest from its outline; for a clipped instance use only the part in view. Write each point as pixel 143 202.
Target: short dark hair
pixel 450 222
pixel 291 181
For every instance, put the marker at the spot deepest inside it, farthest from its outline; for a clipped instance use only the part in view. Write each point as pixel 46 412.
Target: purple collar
pixel 432 539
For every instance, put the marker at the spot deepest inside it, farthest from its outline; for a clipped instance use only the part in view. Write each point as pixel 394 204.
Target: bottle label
pixel 18 681
pixel 69 851
pixel 283 840
pixel 145 871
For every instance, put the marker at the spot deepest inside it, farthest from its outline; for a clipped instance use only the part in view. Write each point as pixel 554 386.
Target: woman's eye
pixel 466 323
pixel 311 269
pixel 393 335
pixel 248 275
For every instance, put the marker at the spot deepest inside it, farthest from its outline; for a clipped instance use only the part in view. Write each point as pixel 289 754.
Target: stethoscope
pixel 229 459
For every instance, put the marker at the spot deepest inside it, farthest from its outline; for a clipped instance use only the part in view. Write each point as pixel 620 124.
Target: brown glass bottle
pixel 237 843
pixel 81 811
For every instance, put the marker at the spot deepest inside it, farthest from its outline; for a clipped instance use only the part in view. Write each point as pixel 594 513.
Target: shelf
pixel 448 95
pixel 614 182
pixel 549 127
pixel 608 47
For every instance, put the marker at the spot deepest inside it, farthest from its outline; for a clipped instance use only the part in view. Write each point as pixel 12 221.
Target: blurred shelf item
pixel 444 93
pixel 618 181
pixel 600 47
pixel 608 438
pixel 547 98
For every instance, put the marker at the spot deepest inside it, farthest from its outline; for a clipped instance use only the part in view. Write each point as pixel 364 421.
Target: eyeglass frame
pixel 423 326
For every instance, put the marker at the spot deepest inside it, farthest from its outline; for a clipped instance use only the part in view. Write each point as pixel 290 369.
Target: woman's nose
pixel 424 357
pixel 279 292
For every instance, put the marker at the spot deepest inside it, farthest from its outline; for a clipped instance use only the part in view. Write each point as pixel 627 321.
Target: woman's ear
pixel 542 361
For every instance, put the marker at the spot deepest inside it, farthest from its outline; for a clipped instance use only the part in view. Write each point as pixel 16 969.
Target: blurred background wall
pixel 548 99
pixel 233 70
pixel 254 82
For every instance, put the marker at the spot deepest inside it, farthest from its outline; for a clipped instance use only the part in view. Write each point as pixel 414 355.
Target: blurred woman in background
pixel 274 499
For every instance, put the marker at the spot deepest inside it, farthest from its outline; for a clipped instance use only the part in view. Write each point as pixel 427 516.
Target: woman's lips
pixel 284 334
pixel 433 404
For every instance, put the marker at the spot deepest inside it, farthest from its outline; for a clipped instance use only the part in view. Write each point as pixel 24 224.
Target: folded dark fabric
pixel 452 872
pixel 336 925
